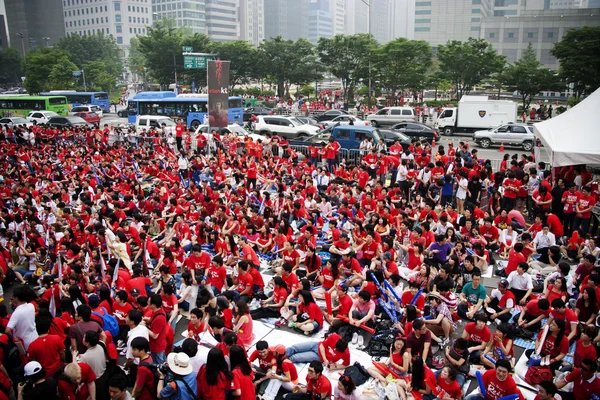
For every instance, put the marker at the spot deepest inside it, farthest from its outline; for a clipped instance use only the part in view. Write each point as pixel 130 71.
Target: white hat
pixel 32 368
pixel 179 363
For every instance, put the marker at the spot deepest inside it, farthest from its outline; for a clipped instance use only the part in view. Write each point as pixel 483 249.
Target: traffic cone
pixel 502 147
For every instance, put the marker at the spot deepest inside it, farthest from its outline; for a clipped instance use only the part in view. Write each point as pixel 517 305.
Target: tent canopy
pixel 573 137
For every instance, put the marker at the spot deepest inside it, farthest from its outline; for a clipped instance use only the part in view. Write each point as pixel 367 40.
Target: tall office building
pixel 440 21
pixel 391 19
pixel 288 19
pixel 223 20
pixel 191 13
pixel 356 17
pixel 320 20
pixel 122 19
pixel 34 22
pixel 252 21
pixel 337 8
pixel 4 42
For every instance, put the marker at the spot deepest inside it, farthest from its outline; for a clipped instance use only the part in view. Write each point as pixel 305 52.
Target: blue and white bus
pixel 191 108
pixel 75 99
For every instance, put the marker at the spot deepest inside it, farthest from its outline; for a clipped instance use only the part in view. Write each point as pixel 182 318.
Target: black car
pixel 329 115
pixel 69 122
pixel 256 111
pixel 416 130
pixel 122 113
pixel 390 137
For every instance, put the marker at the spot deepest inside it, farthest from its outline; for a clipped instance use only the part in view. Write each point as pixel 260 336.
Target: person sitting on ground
pixel 498 383
pixel 501 301
pixel 477 335
pixel 521 284
pixel 329 351
pixel 472 296
pixel 500 347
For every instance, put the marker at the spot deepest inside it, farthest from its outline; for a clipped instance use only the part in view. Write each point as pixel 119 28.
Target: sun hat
pixel 179 363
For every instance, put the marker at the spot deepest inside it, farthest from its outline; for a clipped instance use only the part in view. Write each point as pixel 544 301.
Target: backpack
pixel 379 345
pixel 357 373
pixel 112 368
pixel 537 374
pixel 110 322
pixel 13 362
pixel 154 369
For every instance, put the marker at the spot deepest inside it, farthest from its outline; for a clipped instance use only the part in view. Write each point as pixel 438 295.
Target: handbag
pixel 537 374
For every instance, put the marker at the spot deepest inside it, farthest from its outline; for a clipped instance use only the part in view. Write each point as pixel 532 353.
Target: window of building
pixel 511 35
pixel 530 34
pixel 475 28
pixel 422 29
pixel 119 28
pixel 475 11
pixel 117 17
pixel 492 35
pixel 129 8
pixel 476 2
pixel 476 19
pixel 423 4
pixel 550 35
pixel 422 21
pixel 117 6
pixel 130 30
pixel 105 8
pixel 119 39
pixel 422 12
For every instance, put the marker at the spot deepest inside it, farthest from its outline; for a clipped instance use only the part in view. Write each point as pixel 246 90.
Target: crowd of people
pixel 110 249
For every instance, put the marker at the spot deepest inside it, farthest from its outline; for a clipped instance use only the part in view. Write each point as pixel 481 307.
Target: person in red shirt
pixel 477 335
pixel 144 387
pixel 498 383
pixel 533 313
pixel 157 330
pixel 447 383
pixel 214 377
pixel 585 381
pixel 560 311
pixel 139 282
pixel 217 275
pixel 584 347
pixel 329 351
pixel 569 200
pixel 511 188
pixel 317 385
pixel 242 385
pixel 515 256
pixel 77 382
pixel 583 211
pixel 48 350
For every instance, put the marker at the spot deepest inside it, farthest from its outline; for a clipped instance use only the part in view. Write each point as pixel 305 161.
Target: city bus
pixel 191 109
pixel 75 99
pixel 21 105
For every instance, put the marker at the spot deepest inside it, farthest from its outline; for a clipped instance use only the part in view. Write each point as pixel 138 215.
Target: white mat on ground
pixel 519 375
pixel 489 272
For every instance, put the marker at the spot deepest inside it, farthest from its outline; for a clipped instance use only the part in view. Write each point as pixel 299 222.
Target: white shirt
pixel 542 240
pixel 22 323
pixel 460 192
pixel 182 163
pixel 497 295
pixel 138 331
pixel 520 282
pixel 321 180
pixel 96 359
pixel 402 171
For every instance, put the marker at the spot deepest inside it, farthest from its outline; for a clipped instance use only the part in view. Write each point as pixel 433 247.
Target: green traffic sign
pixel 187 49
pixel 194 62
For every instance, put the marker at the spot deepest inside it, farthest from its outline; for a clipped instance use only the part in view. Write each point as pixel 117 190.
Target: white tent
pixel 574 136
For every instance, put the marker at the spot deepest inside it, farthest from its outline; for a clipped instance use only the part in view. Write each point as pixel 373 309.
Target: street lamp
pixel 368 4
pixel 22 42
pixel 46 39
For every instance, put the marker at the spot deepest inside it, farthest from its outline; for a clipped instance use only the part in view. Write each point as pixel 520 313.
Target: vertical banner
pixel 218 93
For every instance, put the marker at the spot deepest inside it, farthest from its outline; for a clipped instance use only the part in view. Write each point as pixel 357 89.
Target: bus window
pixel 235 103
pixel 101 96
pixel 132 108
pixel 57 100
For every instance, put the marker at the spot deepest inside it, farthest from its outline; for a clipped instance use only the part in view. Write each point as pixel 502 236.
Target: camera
pixel 163 368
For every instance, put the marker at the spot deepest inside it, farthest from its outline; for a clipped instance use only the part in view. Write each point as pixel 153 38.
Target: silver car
pixel 15 121
pixel 519 135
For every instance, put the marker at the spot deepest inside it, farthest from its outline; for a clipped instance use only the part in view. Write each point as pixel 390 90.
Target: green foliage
pixel 579 55
pixel 243 59
pixel 307 90
pixel 98 77
pixel 136 58
pixel 347 57
pixel 10 66
pixel 253 91
pixel 201 43
pixel 573 101
pixel 83 50
pixel 285 62
pixel 529 77
pixel 403 64
pixel 47 69
pixel 466 64
pixel 267 93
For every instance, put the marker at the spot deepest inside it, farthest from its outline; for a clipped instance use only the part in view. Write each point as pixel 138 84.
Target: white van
pixel 392 116
pixel 153 121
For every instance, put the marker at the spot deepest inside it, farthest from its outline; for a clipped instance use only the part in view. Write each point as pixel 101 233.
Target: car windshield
pixel 79 109
pixel 401 137
pixel 77 120
pixel 296 121
pixel 167 122
pixel 376 135
pixel 19 121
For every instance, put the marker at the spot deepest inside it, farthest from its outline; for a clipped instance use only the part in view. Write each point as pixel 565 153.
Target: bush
pixel 573 101
pixel 238 92
pixel 253 91
pixel 268 93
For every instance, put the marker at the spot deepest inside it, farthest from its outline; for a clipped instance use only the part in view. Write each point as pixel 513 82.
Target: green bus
pixel 20 106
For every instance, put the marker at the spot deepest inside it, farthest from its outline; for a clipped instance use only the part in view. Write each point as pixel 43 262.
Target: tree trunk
pixel 436 90
pixel 350 92
pixel 280 85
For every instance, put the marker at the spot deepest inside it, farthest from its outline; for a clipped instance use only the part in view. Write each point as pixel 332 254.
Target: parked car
pixel 237 129
pixel 153 121
pixel 345 120
pixel 392 116
pixel 41 117
pixel 416 130
pixel 122 113
pixel 287 127
pixel 348 136
pixel 309 121
pixel 15 121
pixel 519 135
pixel 329 115
pixel 88 108
pixel 90 117
pixel 70 121
pixel 390 136
pixel 256 111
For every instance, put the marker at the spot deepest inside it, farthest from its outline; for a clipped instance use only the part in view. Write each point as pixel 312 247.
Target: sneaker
pixel 124 352
pixel 280 323
pixel 120 343
pixel 354 338
pixel 361 342
pixel 380 390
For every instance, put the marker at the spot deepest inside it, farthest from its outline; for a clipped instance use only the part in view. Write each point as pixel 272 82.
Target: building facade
pixel 252 21
pixel 320 20
pixel 511 36
pixel 288 19
pixel 191 13
pixel 223 20
pixel 34 23
pixel 356 19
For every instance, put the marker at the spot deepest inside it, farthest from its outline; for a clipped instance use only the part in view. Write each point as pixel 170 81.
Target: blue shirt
pixel 181 393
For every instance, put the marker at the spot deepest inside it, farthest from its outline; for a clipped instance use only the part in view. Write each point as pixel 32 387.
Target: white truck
pixel 475 113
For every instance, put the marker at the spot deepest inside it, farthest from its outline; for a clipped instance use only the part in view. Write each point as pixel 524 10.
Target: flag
pixel 59 266
pixel 47 237
pixel 97 178
pixel 102 266
pixel 86 262
pixel 52 303
pixel 262 206
pixel 115 277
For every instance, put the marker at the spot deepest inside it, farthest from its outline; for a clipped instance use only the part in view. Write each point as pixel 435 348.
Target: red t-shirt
pixel 571 200
pixel 168 302
pixel 345 305
pixel 514 258
pixel 245 281
pixel 120 312
pixel 158 326
pixel 497 389
pixel 534 310
pixel 584 389
pixel 581 353
pixel 145 380
pixel 216 392
pixel 265 363
pixel 553 349
pixel 46 350
pixel 138 283
pixel 313 311
pixel 217 276
pixel 70 391
pixel 332 354
pixel 584 202
pixel 244 382
pixel 316 387
pixel 481 336
pixel 568 316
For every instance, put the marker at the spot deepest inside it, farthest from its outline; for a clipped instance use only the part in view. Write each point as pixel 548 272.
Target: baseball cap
pixel 387 255
pixel 134 292
pixel 32 368
pixel 343 287
pixel 503 283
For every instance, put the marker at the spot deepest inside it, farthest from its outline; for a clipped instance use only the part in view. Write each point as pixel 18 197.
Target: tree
pixel 285 62
pixel 48 68
pixel 160 48
pixel 579 55
pixel 98 78
pixel 136 60
pixel 10 65
pixel 403 64
pixel 83 50
pixel 529 77
pixel 465 64
pixel 243 60
pixel 347 58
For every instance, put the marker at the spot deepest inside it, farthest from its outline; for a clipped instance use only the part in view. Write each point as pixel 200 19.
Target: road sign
pixel 194 62
pixel 187 49
pixel 76 73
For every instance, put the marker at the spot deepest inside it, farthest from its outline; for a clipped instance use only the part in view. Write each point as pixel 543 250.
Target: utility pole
pixel 368 3
pixel 22 43
pixel 175 67
pixel 84 85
